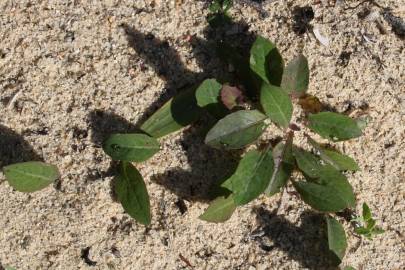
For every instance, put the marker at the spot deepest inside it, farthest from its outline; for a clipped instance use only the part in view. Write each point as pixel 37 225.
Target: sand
pixel 71 72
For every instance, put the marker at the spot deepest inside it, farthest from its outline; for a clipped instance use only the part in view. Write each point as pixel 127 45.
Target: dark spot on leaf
pixel 85 256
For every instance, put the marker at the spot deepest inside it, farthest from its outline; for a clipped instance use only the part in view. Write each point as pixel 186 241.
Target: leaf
pixel 366 213
pixel 276 104
pixel 251 177
pixel 310 104
pixel 231 96
pixel 337 160
pixel 226 5
pixel 266 61
pixel 361 230
pixel 131 192
pixel 30 176
pixel 208 94
pixel 330 193
pixel 336 237
pixel 334 126
pixel 131 147
pixel 215 6
pixel 219 210
pixel 178 112
pixel 296 76
pixel 307 162
pixel 332 178
pixel 283 166
pixel 236 130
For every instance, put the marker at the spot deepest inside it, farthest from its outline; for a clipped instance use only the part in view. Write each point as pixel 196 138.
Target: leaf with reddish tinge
pixel 231 96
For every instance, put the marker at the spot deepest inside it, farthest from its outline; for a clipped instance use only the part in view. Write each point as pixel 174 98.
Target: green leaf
pixel 9 268
pixel 215 6
pixel 276 104
pixel 334 126
pixel 377 230
pixel 366 213
pixel 178 112
pixel 131 192
pixel 337 160
pixel 307 162
pixel 336 237
pixel 296 76
pixel 226 5
pixel 208 94
pixel 251 177
pixel 131 147
pixel 362 230
pixel 334 179
pixel 266 61
pixel 30 176
pixel 283 167
pixel 330 193
pixel 236 130
pixel 219 210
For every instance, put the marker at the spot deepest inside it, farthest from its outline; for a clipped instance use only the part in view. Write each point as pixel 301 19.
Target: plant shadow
pixel 306 244
pixel 207 166
pixel 14 149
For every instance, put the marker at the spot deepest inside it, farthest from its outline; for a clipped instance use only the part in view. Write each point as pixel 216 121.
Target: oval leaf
pixel 208 94
pixel 332 178
pixel 296 76
pixel 266 61
pixel 251 177
pixel 334 126
pixel 321 198
pixel 178 112
pixel 236 130
pixel 131 147
pixel 307 162
pixel 219 210
pixel 337 160
pixel 30 176
pixel 276 104
pixel 336 237
pixel 131 192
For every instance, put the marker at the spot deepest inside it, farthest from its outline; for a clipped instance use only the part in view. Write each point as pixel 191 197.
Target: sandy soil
pixel 82 69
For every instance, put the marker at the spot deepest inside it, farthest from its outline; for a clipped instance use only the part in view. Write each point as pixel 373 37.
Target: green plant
pixel 242 120
pixel 30 176
pixel 219 12
pixel 366 225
